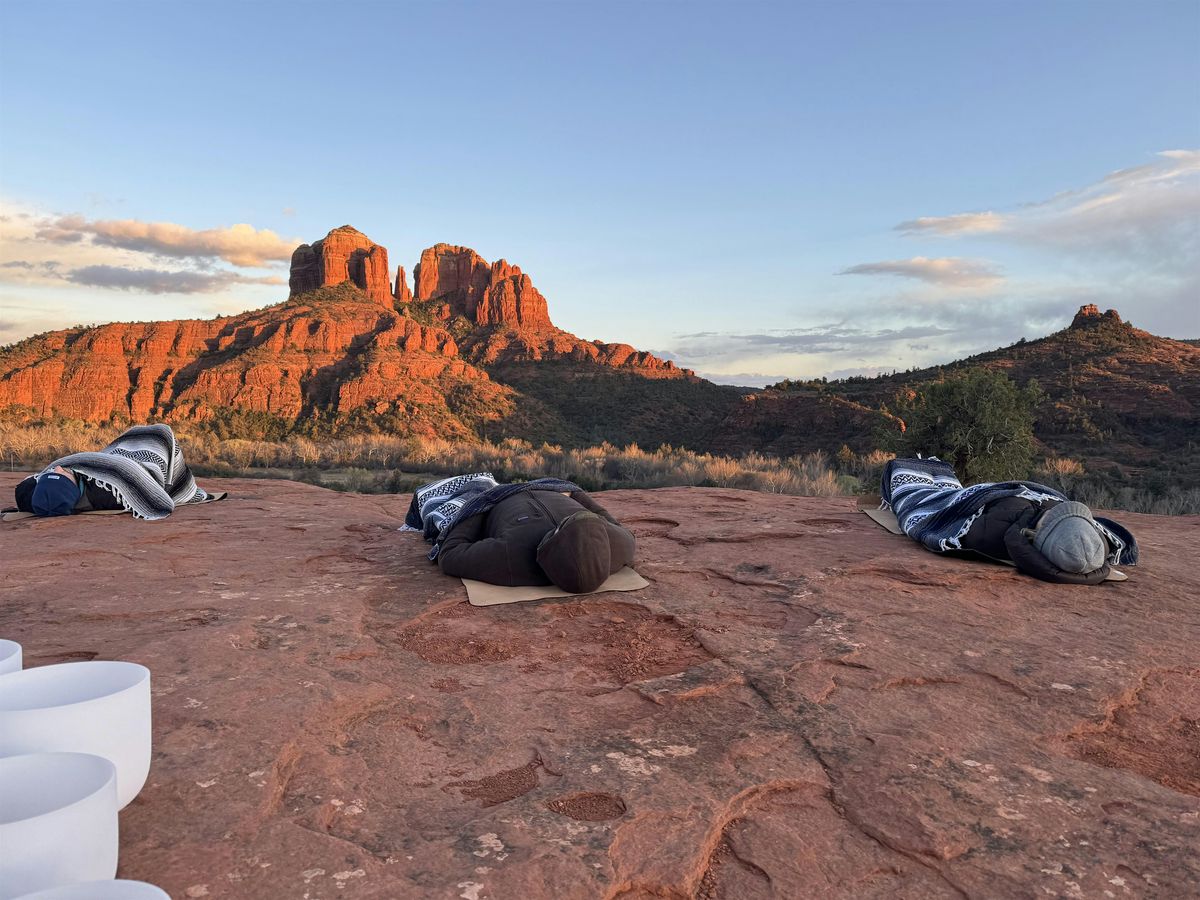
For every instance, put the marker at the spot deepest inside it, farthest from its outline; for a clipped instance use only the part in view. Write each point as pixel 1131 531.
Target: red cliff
pixel 348 341
pixel 401 292
pixel 345 254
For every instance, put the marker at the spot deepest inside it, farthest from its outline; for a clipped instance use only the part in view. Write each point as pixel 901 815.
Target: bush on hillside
pixel 980 422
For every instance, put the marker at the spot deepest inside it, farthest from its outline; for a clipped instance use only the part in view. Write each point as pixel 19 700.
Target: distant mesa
pixel 1089 316
pixel 481 292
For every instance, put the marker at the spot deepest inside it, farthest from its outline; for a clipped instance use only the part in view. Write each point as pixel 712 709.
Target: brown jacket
pixel 501 545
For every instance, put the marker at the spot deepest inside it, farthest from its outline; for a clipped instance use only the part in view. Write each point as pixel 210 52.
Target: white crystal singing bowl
pixel 58 821
pixel 102 890
pixel 10 657
pixel 95 707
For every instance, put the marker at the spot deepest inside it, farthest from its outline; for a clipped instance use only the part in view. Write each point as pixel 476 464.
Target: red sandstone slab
pixel 799 705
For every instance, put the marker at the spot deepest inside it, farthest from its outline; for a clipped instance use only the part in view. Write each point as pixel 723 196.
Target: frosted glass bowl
pixel 95 707
pixel 10 657
pixel 102 890
pixel 58 821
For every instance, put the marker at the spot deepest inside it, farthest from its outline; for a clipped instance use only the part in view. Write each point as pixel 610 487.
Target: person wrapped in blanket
pixel 1025 524
pixel 536 533
pixel 142 471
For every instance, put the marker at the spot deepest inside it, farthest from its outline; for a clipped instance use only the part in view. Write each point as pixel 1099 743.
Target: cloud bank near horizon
pixel 239 245
pixel 949 271
pixel 58 270
pixel 1129 240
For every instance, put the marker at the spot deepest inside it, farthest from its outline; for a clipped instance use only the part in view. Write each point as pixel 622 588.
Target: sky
pixel 755 190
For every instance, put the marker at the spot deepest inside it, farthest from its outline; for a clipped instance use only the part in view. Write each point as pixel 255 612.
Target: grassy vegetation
pixel 385 463
pixel 380 463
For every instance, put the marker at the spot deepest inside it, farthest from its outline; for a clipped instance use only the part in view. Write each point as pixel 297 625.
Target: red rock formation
pixel 401 291
pixel 802 705
pixel 1089 317
pixel 287 360
pixel 345 254
pixel 502 347
pixel 458 274
pixel 511 299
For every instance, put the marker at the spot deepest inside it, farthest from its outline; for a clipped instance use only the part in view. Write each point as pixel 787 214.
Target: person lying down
pixel 142 472
pixel 1028 525
pixel 537 533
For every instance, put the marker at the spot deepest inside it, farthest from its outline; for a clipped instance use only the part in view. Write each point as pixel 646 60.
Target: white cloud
pixel 948 271
pixel 959 223
pixel 239 245
pixel 89 272
pixel 1145 213
pixel 159 281
pixel 1130 240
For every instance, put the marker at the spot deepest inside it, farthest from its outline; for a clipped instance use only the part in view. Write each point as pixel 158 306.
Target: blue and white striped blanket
pixel 933 508
pixel 440 505
pixel 143 468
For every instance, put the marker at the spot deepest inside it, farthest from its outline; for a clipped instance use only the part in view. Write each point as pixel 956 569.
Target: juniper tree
pixel 980 422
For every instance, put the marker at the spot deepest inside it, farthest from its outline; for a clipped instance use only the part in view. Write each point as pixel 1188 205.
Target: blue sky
pixel 757 190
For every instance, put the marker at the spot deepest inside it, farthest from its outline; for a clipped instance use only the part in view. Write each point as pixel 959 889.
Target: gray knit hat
pixel 1067 535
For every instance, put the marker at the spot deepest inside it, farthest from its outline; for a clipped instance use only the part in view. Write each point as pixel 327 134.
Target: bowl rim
pixel 26 674
pixel 112 779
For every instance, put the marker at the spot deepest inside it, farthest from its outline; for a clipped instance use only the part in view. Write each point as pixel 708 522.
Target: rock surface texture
pixel 800 705
pixel 495 294
pixel 345 254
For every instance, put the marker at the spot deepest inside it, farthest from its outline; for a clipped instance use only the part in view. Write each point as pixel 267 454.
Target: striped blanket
pixel 143 469
pixel 440 505
pixel 933 508
pixel 436 503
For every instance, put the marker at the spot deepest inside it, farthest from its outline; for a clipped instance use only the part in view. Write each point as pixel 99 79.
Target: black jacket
pixel 999 534
pixel 93 496
pixel 501 545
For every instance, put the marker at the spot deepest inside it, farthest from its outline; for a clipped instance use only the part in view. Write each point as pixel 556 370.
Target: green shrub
pixel 980 422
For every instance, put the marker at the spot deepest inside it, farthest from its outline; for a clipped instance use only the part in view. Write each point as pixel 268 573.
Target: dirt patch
pixel 501 787
pixel 588 807
pixel 1153 731
pixel 625 642
pixel 452 637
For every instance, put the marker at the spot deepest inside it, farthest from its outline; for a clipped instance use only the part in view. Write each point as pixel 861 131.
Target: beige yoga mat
pixel 480 593
pixel 16 516
pixel 884 517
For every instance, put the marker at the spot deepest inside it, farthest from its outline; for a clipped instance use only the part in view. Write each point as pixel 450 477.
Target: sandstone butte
pixel 800 705
pixel 344 341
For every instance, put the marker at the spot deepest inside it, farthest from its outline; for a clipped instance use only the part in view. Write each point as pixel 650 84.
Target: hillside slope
pixel 1114 395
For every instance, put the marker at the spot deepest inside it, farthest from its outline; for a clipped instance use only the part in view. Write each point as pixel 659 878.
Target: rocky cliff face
pixel 495 294
pixel 401 291
pixel 331 351
pixel 1089 316
pixel 349 341
pixel 345 254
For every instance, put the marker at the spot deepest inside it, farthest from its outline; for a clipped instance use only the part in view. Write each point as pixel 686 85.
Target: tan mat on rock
pixel 480 593
pixel 884 517
pixel 12 515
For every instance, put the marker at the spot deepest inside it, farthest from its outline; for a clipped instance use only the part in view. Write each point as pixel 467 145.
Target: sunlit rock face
pixel 345 254
pixel 350 338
